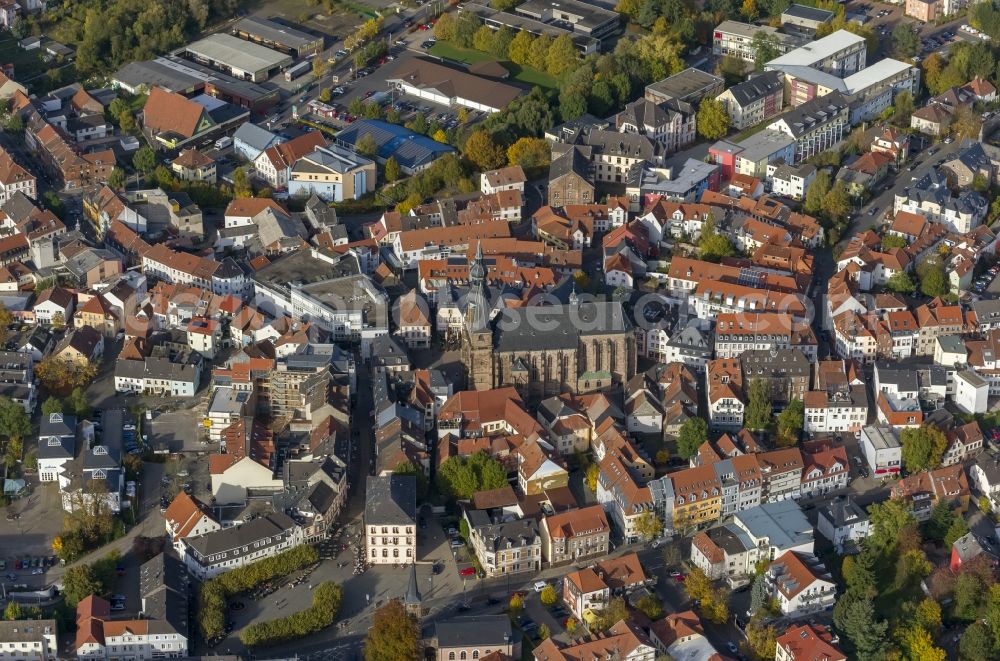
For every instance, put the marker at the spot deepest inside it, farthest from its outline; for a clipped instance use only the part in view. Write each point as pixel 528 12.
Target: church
pixel 577 347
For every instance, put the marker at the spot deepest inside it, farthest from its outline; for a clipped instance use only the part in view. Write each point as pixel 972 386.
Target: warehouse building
pixel 238 58
pixel 276 36
pixel 453 87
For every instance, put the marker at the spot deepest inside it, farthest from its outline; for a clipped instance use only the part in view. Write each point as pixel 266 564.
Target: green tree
pixel 13 611
pixel 759 413
pixel 532 154
pixel 80 582
pixel 762 639
pixel 548 596
pixel 765 48
pixel 901 282
pixel 837 202
pixel 392 170
pixel 14 422
pixel 890 241
pixel 865 633
pixel 933 281
pixel 77 403
pixel 241 183
pixel 519 50
pixel 692 434
pixel 790 422
pixel 976 643
pixel 460 477
pixel 482 40
pixel 648 526
pixel 366 145
pixel 917 643
pixel 561 56
pixel 713 246
pixel 966 124
pixel 937 524
pixel 144 160
pixel 650 606
pixel 613 613
pixel 116 179
pixel 50 406
pixel 394 634
pixel 483 152
pixel 713 121
pixel 593 472
pixel 905 42
pixel 815 195
pixel 922 447
pixel 888 520
pixel 14 124
pixel 903 109
pixel 957 529
pixel 539 54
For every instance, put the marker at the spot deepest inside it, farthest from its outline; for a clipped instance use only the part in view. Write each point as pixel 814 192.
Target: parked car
pixel 540 585
pixel 467 571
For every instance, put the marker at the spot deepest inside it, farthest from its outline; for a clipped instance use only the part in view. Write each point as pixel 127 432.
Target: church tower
pixel 477 340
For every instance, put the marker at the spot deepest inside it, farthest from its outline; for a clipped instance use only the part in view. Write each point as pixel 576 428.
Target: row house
pixel 925 489
pixel 575 535
pixel 503 205
pixel 217 552
pixel 623 495
pixel 801 584
pixel 852 337
pixel 781 472
pixel 964 442
pixel 713 298
pixel 275 163
pixel 15 179
pixel 825 469
pixel 816 125
pixel 787 372
pixel 508 547
pixel 836 410
pixel 733 548
pixel 935 319
pixel 755 100
pixel 697 498
pixel 511 178
pixel 72 169
pixel 591 588
pixel 413 246
pixel 676 219
pixel 724 386
pixel 685 275
pixel 807 642
pixel 670 124
pixel 222 278
pixel 736 333
pixel 931 197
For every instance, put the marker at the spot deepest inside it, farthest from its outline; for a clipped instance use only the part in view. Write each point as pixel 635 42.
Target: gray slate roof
pixel 391 500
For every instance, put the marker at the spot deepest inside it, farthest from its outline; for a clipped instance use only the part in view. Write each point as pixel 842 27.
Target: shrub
pixel 320 615
pixel 214 593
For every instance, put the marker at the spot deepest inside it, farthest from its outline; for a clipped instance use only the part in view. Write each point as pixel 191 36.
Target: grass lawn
pixel 746 133
pixel 523 74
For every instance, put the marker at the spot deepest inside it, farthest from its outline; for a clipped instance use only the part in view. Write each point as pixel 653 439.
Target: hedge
pixel 216 592
pixel 320 615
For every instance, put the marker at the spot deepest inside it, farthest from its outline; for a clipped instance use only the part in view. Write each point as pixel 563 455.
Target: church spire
pixel 413 598
pixel 477 270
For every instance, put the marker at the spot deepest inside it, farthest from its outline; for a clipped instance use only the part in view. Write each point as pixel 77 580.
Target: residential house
pixel 192 165
pixel 806 642
pixel 54 306
pixel 505 547
pixel 925 489
pixel 843 522
pixel 574 535
pixel 331 173
pixel 57 440
pixel 390 520
pixel 755 100
pixel 800 583
pixel 275 163
pixel 220 551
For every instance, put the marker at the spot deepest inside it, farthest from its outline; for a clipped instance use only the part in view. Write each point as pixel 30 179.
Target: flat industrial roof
pixel 816 51
pixel 588 16
pixel 275 32
pixel 876 73
pixel 237 53
pixel 685 84
pixel 808 13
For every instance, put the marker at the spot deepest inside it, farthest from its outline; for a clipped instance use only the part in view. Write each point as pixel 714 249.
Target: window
pixel 463 655
pixel 451 656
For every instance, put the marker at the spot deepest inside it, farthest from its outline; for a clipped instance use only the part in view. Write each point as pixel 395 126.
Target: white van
pixel 223 142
